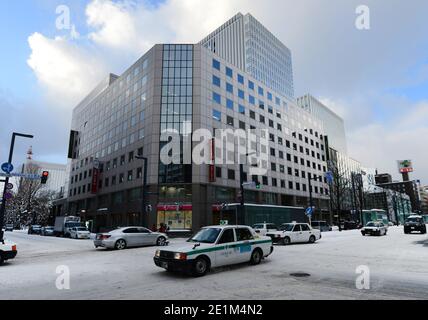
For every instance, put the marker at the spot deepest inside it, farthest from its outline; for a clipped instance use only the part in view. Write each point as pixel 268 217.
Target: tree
pixel 339 188
pixel 30 203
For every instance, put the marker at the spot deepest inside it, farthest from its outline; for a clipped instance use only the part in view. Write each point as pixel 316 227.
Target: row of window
pixel 240 78
pixel 232 175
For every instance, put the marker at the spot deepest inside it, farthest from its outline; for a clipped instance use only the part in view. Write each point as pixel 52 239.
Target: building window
pixel 216 64
pixel 229 88
pixel 139 173
pixel 241 94
pixel 261 91
pixel 216 115
pixel 229 104
pixel 230 121
pixel 252 100
pixel 251 85
pixel 218 172
pixel 122 160
pixel 216 81
pixel 269 96
pixel 252 115
pixel 231 174
pixel 229 72
pixel 241 109
pixel 121 178
pixel 242 125
pixel 240 79
pixel 216 98
pixel 130 175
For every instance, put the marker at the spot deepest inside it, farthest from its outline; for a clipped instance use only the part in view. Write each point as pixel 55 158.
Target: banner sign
pixel 95 178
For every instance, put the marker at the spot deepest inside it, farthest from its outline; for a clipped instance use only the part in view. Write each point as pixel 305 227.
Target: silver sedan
pixel 128 237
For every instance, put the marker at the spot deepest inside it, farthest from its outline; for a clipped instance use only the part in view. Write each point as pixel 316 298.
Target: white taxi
pixel 295 233
pixel 213 247
pixel 8 251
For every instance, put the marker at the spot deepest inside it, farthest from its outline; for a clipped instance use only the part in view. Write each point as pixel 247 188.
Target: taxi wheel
pixel 286 241
pixel 1 259
pixel 200 267
pixel 312 239
pixel 256 257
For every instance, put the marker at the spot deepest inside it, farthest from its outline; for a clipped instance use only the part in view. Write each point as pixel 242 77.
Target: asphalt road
pixel 398 266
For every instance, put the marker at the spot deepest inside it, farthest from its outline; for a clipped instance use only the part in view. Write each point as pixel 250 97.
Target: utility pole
pixel 241 182
pixel 311 201
pixel 144 189
pixel 6 182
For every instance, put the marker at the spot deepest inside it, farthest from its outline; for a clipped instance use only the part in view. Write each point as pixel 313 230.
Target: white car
pixel 213 247
pixel 79 233
pixel 295 233
pixel 374 228
pixel 263 228
pixel 8 251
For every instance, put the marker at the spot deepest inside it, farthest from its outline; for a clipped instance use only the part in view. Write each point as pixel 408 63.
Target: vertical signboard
pixel 95 177
pixel 212 175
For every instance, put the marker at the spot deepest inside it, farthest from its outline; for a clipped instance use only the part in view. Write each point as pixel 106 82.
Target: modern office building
pixel 186 88
pixel 334 126
pixel 248 45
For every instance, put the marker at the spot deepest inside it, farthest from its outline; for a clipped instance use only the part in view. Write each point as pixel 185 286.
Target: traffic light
pixel 45 176
pixel 258 185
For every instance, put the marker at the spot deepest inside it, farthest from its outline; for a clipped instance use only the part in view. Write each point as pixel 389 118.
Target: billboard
pixel 405 166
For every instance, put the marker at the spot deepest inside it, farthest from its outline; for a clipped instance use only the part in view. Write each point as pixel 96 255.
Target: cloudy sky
pixel 376 79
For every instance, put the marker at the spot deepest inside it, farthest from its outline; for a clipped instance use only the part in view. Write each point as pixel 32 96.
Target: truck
pixel 64 224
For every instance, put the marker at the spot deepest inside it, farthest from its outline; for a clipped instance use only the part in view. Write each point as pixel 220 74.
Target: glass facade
pixel 176 107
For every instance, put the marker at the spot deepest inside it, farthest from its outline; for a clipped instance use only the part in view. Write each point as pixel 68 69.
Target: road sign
pixel 7 167
pixel 309 211
pixel 9 186
pixel 30 176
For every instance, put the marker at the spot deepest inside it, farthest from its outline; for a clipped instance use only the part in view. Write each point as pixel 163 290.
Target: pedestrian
pixel 154 228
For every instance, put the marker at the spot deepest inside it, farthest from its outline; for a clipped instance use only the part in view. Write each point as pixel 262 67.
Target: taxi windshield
pixel 287 227
pixel 209 235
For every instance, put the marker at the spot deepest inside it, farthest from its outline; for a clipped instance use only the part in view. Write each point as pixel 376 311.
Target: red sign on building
pixel 95 178
pixel 212 175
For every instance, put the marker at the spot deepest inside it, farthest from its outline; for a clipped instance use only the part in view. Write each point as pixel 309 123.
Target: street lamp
pixel 143 209
pixel 3 203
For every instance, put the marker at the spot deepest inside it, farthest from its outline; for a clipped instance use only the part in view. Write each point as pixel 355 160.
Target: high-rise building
pixel 186 87
pixel 248 45
pixel 334 126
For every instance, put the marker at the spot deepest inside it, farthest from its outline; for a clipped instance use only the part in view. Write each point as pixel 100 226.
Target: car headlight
pixel 180 256
pixel 157 254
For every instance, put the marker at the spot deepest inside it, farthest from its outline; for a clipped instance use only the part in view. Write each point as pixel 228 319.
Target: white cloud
pixel 66 71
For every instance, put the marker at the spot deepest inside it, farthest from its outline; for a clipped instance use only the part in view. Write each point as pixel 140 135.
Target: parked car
pixel 295 233
pixel 213 247
pixel 323 226
pixel 34 229
pixel 415 224
pixel 47 231
pixel 8 227
pixel 79 233
pixel 263 228
pixel 123 238
pixel 8 251
pixel 351 225
pixel 374 228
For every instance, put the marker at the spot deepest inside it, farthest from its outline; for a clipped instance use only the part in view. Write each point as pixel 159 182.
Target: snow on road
pixel 398 267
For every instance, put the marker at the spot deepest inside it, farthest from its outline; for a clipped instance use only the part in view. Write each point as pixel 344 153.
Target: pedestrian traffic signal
pixel 258 185
pixel 45 176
